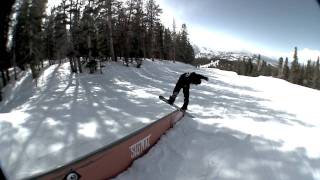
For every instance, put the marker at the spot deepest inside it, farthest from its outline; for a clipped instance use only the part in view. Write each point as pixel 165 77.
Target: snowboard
pixel 175 106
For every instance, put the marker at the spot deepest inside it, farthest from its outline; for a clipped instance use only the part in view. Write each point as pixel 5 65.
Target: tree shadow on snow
pixel 77 114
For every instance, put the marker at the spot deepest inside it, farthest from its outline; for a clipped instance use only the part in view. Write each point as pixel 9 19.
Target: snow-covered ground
pixel 211 64
pixel 245 127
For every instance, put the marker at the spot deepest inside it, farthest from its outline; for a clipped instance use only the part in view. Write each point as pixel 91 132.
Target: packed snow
pixel 244 127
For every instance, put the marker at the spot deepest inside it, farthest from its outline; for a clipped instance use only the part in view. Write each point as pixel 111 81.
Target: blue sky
pixel 271 27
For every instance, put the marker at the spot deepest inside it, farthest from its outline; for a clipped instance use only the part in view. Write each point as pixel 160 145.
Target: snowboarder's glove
pixel 206 78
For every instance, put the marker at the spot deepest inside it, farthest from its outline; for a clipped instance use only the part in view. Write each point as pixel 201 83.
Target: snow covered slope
pixel 68 116
pixel 269 130
pixel 245 127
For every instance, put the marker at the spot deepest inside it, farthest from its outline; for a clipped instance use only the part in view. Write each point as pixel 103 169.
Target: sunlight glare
pixel 88 129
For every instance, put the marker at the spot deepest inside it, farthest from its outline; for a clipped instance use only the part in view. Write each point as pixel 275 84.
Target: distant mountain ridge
pixel 214 55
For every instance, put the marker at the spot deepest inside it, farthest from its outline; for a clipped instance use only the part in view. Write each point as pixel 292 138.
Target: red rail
pixel 115 158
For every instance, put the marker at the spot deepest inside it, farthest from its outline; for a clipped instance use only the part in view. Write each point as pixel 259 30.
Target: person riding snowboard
pixel 184 82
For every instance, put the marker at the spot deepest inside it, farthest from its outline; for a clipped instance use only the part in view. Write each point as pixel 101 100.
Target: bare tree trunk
pixel 14 63
pixel 72 67
pixel 33 70
pixel 144 43
pixel 174 40
pixel 8 74
pixel 152 42
pixel 100 64
pixel 4 80
pixel 42 64
pixel 32 62
pixel 89 46
pixel 109 22
pixel 152 35
pixel 79 64
pixel 15 72
pixel 127 29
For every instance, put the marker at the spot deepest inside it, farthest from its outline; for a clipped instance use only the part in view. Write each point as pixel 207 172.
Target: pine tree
pixel 280 68
pixel 20 35
pixel 249 67
pixel 184 50
pixel 120 31
pixel 159 41
pixel 60 32
pixel 103 39
pixel 74 19
pixel 259 63
pixel 286 70
pixel 295 68
pixel 28 35
pixel 174 40
pixel 6 9
pixel 37 11
pixel 243 67
pixel 168 45
pixel 263 68
pixel 105 24
pixel 138 33
pixel 316 75
pixel 49 38
pixel 308 75
pixel 110 29
pixel 88 43
pixel 131 27
pixel 268 71
pixel 301 77
pixel 128 33
pixel 153 12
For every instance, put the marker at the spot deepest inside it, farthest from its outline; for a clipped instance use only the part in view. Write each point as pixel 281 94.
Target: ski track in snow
pixel 245 128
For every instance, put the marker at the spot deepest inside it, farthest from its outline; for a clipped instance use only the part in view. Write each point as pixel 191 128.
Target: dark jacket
pixel 184 83
pixel 191 78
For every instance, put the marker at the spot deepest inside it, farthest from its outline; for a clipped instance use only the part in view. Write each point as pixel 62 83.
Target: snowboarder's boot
pixel 171 100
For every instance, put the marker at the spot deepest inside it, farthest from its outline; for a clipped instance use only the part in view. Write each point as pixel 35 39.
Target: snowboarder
pixel 2 176
pixel 184 82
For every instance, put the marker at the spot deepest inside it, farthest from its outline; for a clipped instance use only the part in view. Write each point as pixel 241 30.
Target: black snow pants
pixel 182 84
